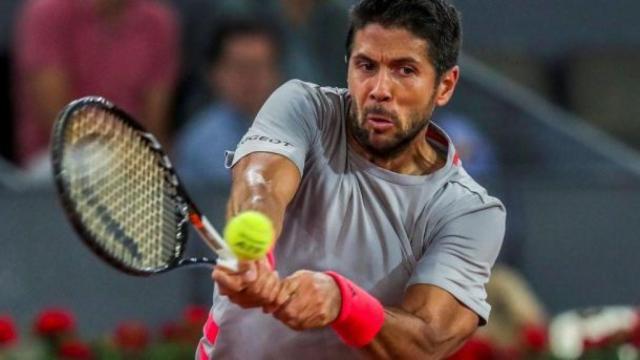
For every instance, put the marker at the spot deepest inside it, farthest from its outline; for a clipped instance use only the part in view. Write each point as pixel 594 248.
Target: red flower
pixel 172 331
pixel 8 333
pixel 54 322
pixel 475 348
pixel 196 315
pixel 635 332
pixel 534 337
pixel 75 350
pixel 132 336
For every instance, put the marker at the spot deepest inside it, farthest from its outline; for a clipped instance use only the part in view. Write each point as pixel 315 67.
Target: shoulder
pixel 461 195
pixel 312 92
pixel 307 89
pixel 308 100
pixel 465 215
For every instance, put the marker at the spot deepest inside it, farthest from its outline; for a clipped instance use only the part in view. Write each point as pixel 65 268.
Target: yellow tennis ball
pixel 249 235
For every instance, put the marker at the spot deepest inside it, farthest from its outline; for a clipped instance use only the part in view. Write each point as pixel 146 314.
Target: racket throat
pixel 213 239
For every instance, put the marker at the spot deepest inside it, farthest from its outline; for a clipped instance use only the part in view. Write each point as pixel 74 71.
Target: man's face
pixel 247 72
pixel 394 88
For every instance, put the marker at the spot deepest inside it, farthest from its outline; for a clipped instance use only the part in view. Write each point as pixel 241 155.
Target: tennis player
pixel 384 242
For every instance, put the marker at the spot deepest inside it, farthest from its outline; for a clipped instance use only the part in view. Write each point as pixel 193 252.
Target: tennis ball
pixel 249 235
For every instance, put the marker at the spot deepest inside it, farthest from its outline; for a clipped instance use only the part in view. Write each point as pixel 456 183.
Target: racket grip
pixel 229 263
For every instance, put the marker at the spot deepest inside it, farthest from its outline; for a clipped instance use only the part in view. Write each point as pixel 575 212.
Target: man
pixel 243 71
pixel 384 241
pixel 124 50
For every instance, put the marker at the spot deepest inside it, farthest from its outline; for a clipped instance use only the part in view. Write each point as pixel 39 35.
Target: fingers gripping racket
pixel 121 193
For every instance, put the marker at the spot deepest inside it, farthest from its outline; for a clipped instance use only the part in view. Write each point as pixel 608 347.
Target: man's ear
pixel 447 85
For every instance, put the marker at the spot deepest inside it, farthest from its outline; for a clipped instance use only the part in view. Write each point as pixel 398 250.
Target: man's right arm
pixel 264 182
pixel 266 173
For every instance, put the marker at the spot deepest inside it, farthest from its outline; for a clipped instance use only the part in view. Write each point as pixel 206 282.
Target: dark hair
pixel 435 21
pixel 233 27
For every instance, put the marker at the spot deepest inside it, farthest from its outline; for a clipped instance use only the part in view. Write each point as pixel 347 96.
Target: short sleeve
pixel 286 125
pixel 462 252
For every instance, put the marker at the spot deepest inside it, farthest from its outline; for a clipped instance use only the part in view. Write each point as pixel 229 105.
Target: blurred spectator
pixel 7 14
pixel 517 313
pixel 6 125
pixel 243 71
pixel 313 32
pixel 197 20
pixel 600 332
pixel 124 50
pixel 311 28
pixel 475 149
pixel 517 328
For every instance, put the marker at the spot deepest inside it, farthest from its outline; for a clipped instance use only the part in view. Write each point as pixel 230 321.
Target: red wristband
pixel 271 259
pixel 361 315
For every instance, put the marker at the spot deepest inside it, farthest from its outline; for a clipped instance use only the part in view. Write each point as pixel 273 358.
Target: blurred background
pixel 545 117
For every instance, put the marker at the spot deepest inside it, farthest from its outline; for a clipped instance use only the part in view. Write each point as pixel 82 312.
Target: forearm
pixel 253 192
pixel 406 336
pixel 429 324
pixel 263 182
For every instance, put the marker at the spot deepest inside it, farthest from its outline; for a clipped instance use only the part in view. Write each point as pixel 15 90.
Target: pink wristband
pixel 271 259
pixel 361 315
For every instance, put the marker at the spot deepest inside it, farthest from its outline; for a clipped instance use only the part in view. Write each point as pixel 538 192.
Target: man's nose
pixel 381 88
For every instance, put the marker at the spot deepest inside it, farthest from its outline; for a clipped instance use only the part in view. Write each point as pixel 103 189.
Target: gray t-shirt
pixel 383 230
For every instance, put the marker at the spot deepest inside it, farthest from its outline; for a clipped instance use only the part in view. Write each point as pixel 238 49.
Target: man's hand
pixel 253 285
pixel 307 300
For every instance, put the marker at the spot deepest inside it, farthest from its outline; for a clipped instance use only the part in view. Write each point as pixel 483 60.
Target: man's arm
pixel 264 182
pixel 267 171
pixel 430 324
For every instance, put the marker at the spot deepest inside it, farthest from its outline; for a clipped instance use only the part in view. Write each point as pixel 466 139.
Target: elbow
pixel 433 338
pixel 442 339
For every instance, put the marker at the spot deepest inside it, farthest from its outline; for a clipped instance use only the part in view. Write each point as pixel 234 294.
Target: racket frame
pixel 188 211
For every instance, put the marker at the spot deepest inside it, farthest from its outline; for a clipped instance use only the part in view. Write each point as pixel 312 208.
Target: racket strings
pixel 121 193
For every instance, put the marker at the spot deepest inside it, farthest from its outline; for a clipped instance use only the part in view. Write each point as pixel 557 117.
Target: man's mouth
pixel 379 123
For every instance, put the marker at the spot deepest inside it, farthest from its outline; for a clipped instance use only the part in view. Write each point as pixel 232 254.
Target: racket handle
pixel 213 239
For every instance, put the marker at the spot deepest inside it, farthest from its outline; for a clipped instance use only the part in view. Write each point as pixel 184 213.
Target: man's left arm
pixel 442 306
pixel 430 324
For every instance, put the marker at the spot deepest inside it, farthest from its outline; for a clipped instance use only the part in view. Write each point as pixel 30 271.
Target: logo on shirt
pixel 264 139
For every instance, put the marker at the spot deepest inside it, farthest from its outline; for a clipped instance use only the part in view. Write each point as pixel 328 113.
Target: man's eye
pixel 405 70
pixel 366 66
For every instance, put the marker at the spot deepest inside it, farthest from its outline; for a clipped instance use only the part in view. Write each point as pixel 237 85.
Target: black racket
pixel 121 193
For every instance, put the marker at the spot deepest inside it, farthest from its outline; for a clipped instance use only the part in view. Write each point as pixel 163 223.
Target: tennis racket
pixel 121 193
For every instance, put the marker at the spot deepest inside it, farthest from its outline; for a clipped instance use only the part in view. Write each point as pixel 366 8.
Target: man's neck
pixel 419 157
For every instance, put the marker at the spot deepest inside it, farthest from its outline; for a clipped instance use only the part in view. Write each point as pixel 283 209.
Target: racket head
pixel 118 188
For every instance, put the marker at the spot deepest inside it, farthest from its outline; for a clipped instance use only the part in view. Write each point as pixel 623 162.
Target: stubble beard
pixel 400 141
